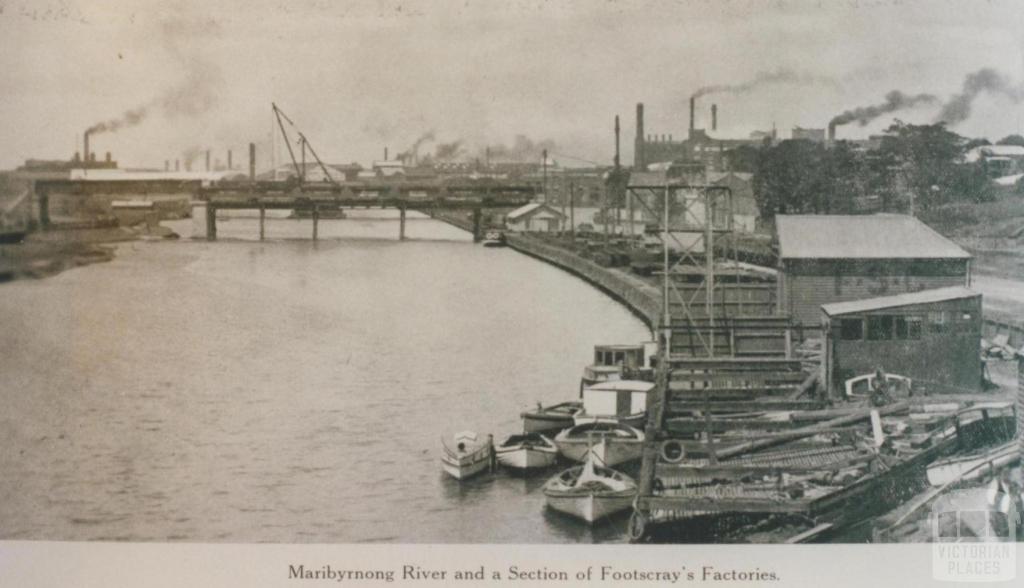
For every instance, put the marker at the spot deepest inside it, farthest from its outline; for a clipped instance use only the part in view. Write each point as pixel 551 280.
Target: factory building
pixel 838 258
pixel 698 146
pixel 932 337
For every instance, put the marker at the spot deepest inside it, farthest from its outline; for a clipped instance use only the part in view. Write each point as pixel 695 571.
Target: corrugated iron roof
pixel 875 236
pixel 922 297
pixel 530 209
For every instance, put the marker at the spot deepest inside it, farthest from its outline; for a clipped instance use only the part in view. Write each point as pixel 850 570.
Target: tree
pixel 982 142
pixel 744 158
pixel 1011 140
pixel 929 157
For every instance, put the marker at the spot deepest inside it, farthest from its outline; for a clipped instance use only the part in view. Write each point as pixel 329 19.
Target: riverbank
pixel 47 253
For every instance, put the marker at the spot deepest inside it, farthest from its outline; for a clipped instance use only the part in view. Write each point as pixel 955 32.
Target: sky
pixel 175 78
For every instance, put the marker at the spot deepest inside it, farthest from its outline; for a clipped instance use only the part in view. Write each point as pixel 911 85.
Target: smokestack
pixel 714 117
pixel 108 157
pixel 832 131
pixel 229 159
pixel 85 151
pixel 638 149
pixel 385 154
pixel 252 162
pixel 167 165
pixel 207 160
pixel 616 141
pixel 693 105
pixel 177 165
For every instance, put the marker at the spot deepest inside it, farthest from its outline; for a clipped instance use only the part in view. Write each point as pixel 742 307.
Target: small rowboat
pixel 527 451
pixel 465 455
pixel 590 492
pixel 552 418
pixel 610 442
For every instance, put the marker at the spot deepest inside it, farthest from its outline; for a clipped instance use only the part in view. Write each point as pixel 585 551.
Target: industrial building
pixel 839 258
pixel 535 217
pixel 698 146
pixel 932 337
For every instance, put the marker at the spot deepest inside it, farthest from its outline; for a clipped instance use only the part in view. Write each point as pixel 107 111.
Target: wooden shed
pixel 838 258
pixel 932 337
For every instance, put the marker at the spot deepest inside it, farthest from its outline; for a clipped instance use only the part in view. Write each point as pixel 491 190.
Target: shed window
pixel 851 329
pixel 937 320
pixel 880 328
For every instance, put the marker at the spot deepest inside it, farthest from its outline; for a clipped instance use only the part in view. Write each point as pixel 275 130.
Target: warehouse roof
pixel 875 236
pixel 922 297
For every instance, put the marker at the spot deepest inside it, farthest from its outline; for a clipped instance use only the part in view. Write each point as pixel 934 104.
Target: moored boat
pixel 624 401
pixel 494 238
pixel 590 492
pixel 552 418
pixel 609 442
pixel 466 455
pixel 616 362
pixel 527 451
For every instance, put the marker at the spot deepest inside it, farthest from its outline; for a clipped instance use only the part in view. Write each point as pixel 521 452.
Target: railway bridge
pixel 309 199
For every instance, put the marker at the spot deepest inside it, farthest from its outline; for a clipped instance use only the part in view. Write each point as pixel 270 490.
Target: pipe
pixel 207 160
pixel 85 151
pixel 229 159
pixel 831 131
pixel 714 117
pixel 616 141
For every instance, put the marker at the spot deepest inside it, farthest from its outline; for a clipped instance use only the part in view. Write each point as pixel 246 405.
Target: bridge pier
pixel 316 221
pixel 401 224
pixel 477 236
pixel 263 220
pixel 211 222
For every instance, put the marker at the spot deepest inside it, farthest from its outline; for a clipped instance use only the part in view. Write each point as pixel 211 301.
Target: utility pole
pixel 544 166
pixel 572 210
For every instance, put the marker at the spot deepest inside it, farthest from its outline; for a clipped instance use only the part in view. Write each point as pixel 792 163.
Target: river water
pixel 288 391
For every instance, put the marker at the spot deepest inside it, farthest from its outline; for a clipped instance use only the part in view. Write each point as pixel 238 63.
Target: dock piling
pixel 477 237
pixel 211 222
pixel 316 221
pixel 401 224
pixel 263 219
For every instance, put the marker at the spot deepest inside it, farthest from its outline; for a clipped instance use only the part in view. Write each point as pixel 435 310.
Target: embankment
pixel 641 298
pixel 644 300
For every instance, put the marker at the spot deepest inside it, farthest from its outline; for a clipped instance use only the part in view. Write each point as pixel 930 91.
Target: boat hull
pixel 608 451
pixel 538 423
pixel 589 507
pixel 527 458
pixel 462 469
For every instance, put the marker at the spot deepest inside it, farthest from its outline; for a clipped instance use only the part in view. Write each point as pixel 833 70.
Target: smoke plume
pixel 522 150
pixel 411 154
pixel 958 108
pixel 195 94
pixel 778 76
pixel 894 101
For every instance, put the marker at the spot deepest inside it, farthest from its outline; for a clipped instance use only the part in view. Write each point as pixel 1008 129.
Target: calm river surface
pixel 287 391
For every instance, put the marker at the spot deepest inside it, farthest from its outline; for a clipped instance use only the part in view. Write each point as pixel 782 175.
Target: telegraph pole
pixel 544 166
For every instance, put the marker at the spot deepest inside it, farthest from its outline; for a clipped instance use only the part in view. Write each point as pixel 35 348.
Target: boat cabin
pixel 613 362
pixel 616 400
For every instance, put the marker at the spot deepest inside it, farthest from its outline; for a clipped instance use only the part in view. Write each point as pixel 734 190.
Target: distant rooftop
pixel 922 297
pixel 874 236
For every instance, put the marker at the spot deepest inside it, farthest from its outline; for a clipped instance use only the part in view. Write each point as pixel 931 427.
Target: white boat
pixel 624 401
pixel 616 362
pixel 527 451
pixel 610 442
pixel 552 418
pixel 590 492
pixel 466 455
